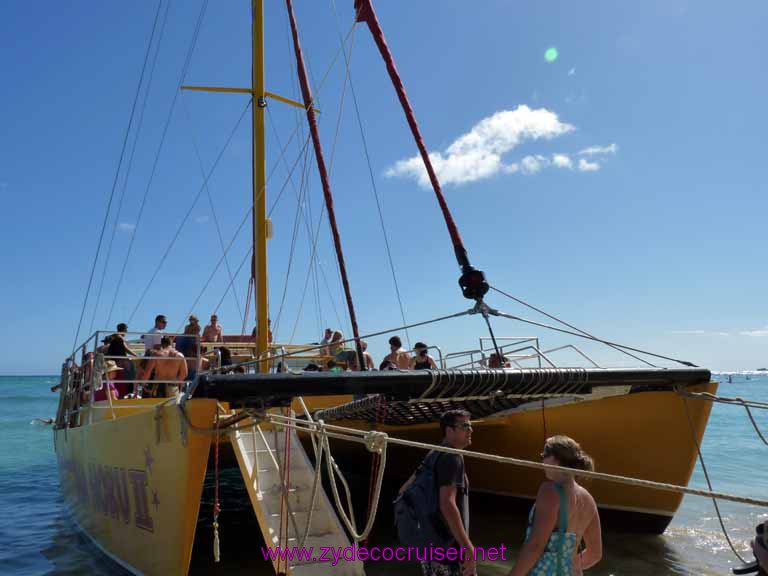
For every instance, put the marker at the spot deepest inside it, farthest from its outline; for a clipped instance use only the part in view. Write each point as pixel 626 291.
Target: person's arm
pixel 593 543
pixel 545 518
pixel 432 363
pixel 452 517
pixel 181 375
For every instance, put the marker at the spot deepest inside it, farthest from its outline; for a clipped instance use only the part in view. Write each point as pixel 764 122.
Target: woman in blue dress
pixel 564 514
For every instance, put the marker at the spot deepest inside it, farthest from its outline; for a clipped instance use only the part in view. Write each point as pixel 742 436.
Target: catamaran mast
pixel 260 223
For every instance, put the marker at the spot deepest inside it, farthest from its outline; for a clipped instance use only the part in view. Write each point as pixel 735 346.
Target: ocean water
pixel 37 538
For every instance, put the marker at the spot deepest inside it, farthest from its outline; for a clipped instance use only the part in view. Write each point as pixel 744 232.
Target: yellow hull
pixel 644 435
pixel 133 483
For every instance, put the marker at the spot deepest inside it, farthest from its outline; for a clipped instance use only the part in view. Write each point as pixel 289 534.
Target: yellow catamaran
pixel 132 469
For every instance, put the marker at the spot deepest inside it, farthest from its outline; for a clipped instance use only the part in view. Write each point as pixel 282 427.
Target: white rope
pixel 349 434
pixel 375 442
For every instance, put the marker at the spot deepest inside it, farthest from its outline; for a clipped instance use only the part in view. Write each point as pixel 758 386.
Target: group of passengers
pixel 333 346
pixel 166 364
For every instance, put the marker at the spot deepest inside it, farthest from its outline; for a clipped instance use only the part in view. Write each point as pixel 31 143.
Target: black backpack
pixel 417 510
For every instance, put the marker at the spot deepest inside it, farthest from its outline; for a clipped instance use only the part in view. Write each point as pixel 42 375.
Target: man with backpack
pixel 433 508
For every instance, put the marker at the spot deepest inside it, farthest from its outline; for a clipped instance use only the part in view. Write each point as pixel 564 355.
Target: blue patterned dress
pixel 557 559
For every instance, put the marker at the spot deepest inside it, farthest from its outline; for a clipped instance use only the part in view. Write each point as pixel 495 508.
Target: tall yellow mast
pixel 259 266
pixel 261 225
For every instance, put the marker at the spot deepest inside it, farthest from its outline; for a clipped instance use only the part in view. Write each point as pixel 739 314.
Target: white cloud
pixel 533 164
pixel 755 333
pixel 562 161
pixel 126 226
pixel 599 150
pixel 586 166
pixel 201 219
pixel 698 333
pixel 478 153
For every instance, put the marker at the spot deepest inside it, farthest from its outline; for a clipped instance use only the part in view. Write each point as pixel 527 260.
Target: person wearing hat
pixel 110 372
pixel 422 360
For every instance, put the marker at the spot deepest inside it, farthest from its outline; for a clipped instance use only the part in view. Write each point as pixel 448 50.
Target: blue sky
pixel 621 186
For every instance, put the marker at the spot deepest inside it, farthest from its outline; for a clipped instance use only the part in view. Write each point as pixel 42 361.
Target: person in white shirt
pixel 152 339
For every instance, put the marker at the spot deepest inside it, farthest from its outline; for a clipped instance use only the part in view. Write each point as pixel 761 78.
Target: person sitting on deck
pixel 119 351
pixel 168 365
pixel 187 345
pixel 387 365
pixel 327 335
pixel 111 370
pixel 212 332
pixel 397 355
pixel 369 365
pixel 493 361
pixel 564 513
pixel 422 360
pixel 255 332
pixel 153 337
pixel 336 346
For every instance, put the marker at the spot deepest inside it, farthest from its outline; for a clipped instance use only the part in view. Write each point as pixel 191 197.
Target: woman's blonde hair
pixel 568 453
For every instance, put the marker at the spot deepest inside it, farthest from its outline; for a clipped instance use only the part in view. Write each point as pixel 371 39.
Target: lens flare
pixel 551 54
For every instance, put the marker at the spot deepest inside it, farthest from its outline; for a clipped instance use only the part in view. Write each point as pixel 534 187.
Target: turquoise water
pixel 36 537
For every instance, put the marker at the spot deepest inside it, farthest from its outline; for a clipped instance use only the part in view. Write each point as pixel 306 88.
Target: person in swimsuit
pixel 397 356
pixel 564 514
pixel 422 360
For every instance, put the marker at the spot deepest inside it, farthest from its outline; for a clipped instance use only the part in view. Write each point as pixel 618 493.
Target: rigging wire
pixel 114 187
pixel 294 237
pixel 593 338
pixel 374 334
pixel 332 157
pixel 269 176
pixel 232 281
pixel 347 62
pixel 185 67
pixel 182 76
pixel 137 134
pixel 218 265
pixel 709 482
pixel 189 211
pixel 210 202
pixel 564 323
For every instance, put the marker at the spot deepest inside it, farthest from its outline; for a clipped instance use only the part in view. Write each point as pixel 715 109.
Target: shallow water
pixel 36 537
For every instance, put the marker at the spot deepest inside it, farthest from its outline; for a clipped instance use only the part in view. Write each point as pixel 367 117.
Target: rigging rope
pixel 354 435
pixel 311 117
pixel 294 236
pixel 231 283
pixel 370 335
pixel 189 212
pixel 564 323
pixel 746 404
pixel 587 337
pixel 374 188
pixel 124 187
pixel 211 205
pixel 184 69
pixel 709 482
pixel 114 185
pixel 365 13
